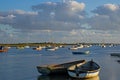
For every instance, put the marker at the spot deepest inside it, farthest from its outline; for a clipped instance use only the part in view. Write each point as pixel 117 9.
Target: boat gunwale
pixel 63 64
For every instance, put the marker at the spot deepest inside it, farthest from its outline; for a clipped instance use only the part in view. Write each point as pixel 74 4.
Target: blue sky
pixel 59 21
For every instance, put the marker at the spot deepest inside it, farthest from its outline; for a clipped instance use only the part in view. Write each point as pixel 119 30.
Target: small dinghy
pixel 84 70
pixel 57 68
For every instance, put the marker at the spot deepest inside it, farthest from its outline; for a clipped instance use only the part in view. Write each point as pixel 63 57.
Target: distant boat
pixel 20 47
pixel 84 70
pixel 51 48
pixel 81 52
pixel 80 46
pixel 38 48
pixel 73 48
pixel 27 46
pixel 103 45
pixel 56 68
pixel 3 49
pixel 115 54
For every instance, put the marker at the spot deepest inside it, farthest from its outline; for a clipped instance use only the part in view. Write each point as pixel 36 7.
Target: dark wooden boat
pixel 87 69
pixel 56 68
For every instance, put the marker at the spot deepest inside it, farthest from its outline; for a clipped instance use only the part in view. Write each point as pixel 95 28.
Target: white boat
pixel 84 70
pixel 73 48
pixel 52 48
pixel 80 46
pixel 27 46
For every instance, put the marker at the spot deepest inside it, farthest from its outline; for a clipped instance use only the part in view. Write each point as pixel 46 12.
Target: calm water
pixel 21 64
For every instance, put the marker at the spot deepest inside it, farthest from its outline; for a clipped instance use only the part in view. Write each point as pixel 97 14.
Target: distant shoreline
pixel 53 44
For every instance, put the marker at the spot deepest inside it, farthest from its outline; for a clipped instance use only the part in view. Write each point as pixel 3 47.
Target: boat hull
pixel 84 74
pixel 48 71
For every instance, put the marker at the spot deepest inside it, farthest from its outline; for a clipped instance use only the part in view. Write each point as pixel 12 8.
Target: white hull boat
pixel 84 70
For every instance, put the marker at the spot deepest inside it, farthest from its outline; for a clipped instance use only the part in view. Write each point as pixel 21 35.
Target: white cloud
pixel 76 6
pixel 111 7
pixel 63 21
pixel 23 12
pixel 106 17
pixel 107 9
pixel 73 32
pixel 48 15
pixel 11 16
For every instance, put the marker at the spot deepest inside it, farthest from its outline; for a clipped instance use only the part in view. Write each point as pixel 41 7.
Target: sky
pixel 69 21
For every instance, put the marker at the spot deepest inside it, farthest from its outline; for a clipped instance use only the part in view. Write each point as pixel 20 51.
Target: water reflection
pixel 53 77
pixel 63 77
pixel 116 55
pixel 93 78
pixel 118 61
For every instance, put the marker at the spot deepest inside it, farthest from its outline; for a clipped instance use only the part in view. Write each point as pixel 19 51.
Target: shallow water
pixel 21 64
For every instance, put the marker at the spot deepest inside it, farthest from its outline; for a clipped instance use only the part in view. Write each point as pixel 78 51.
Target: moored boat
pixel 115 54
pixel 73 48
pixel 84 70
pixel 38 48
pixel 81 52
pixel 51 48
pixel 57 68
pixel 3 49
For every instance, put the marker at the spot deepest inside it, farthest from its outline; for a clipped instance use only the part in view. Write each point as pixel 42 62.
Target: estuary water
pixel 20 64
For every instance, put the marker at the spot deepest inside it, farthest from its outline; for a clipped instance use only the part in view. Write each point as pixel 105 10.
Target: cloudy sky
pixel 59 21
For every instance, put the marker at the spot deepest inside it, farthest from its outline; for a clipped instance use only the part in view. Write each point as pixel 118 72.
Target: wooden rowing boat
pixel 57 68
pixel 84 70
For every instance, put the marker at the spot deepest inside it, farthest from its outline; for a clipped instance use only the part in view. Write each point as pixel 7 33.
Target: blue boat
pixel 81 52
